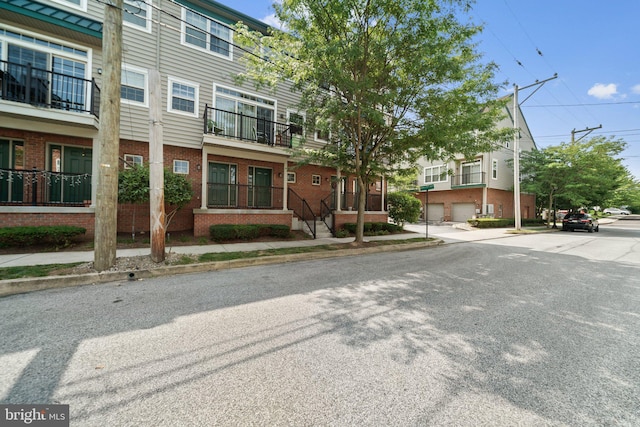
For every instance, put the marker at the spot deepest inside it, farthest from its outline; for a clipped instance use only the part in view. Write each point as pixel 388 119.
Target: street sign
pixel 426 187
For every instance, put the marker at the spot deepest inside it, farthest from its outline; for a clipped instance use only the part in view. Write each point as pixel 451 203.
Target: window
pixel 131 160
pixel 435 174
pixel 244 115
pixel 291 177
pixel 134 85
pixel 181 167
pixel 471 173
pixel 316 179
pixel 494 168
pixel 183 97
pixel 137 13
pixel 297 120
pixel 76 4
pixel 203 33
pixel 322 132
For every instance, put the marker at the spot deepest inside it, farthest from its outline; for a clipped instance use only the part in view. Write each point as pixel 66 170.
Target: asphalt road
pixel 520 330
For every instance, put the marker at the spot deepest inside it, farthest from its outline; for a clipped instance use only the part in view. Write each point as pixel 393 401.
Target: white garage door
pixel 435 211
pixel 461 212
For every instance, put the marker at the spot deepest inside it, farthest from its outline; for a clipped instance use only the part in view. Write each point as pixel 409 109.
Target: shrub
pixel 372 228
pixel 403 207
pixel 57 235
pixel 225 232
pixel 502 222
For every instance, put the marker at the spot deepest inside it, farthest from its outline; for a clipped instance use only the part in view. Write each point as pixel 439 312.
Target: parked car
pixel 580 221
pixel 616 211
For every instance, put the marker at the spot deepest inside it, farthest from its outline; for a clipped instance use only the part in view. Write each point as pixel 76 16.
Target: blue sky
pixel 593 45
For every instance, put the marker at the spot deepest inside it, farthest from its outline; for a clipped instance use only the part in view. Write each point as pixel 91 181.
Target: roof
pixel 37 14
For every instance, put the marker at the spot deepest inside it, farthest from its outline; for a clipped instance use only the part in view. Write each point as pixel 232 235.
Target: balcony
pixel 44 188
pixel 236 196
pixel 467 180
pixel 42 88
pixel 242 127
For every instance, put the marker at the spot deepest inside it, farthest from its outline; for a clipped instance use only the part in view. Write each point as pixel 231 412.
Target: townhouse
pixel 233 142
pixel 478 187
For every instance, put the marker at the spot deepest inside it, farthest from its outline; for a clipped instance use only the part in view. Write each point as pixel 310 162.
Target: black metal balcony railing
pixel 472 178
pixel 236 196
pixel 249 128
pixel 44 188
pixel 43 88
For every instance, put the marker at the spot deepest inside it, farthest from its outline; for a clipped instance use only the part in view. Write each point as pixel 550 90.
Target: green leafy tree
pixel 389 80
pixel 403 208
pixel 581 174
pixel 133 187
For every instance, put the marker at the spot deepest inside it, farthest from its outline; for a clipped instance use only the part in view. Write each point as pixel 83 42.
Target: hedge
pixel 503 222
pixel 373 228
pixel 57 235
pixel 223 232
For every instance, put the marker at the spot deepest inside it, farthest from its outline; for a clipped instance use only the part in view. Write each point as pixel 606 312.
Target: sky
pixel 592 45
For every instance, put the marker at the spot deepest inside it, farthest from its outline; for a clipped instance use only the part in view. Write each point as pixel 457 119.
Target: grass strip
pixel 8 273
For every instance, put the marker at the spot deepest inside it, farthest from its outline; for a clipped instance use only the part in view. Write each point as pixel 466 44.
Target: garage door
pixel 435 211
pixel 461 212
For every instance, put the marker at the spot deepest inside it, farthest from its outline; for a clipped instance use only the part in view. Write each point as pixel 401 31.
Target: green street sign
pixel 426 187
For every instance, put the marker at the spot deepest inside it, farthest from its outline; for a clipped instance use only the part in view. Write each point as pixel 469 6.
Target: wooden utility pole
pixel 106 216
pixel 156 168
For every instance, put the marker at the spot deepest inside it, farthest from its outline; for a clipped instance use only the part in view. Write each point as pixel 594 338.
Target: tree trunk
pixel 362 198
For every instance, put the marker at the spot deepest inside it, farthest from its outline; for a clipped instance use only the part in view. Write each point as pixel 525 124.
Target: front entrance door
pixel 12 180
pixel 222 190
pixel 259 187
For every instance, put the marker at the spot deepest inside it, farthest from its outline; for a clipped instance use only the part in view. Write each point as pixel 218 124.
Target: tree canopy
pixel 389 80
pixel 581 174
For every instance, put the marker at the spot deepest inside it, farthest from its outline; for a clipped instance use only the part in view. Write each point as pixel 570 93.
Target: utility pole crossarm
pixel 587 130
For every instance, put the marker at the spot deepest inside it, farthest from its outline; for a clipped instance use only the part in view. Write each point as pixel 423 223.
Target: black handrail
pixel 325 212
pixel 471 178
pixel 237 196
pixel 249 128
pixel 302 210
pixel 44 88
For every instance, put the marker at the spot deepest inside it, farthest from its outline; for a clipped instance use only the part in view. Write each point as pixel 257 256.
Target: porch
pixel 39 87
pixel 44 188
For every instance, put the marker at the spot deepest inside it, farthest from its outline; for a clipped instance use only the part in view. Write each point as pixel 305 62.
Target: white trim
pixel 196 101
pixel 145 73
pixel 82 6
pixel 494 167
pixel 183 34
pixel 132 158
pixel 142 4
pixel 439 176
pixel 181 161
pixel 294 178
pixel 319 179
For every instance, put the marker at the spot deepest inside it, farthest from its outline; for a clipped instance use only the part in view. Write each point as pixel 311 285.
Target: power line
pixel 581 105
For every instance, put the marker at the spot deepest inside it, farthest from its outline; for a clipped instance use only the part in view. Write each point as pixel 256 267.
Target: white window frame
pixel 207 32
pixel 494 168
pixel 196 102
pixel 179 169
pixel 142 5
pixel 441 176
pixel 134 159
pixel 82 6
pixel 289 176
pixel 315 178
pixel 145 74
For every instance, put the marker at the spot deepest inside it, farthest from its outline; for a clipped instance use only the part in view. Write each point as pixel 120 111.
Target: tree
pixel 389 80
pixel 581 174
pixel 133 187
pixel 403 208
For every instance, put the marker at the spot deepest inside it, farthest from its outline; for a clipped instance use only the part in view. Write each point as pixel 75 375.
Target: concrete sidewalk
pixel 67 257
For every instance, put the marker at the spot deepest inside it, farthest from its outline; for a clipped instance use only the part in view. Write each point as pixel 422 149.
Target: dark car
pixel 580 221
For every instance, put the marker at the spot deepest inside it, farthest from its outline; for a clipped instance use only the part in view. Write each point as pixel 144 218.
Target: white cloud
pixel 636 89
pixel 272 21
pixel 602 91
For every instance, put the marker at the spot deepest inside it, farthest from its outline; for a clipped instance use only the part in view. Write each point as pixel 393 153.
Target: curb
pixel 32 284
